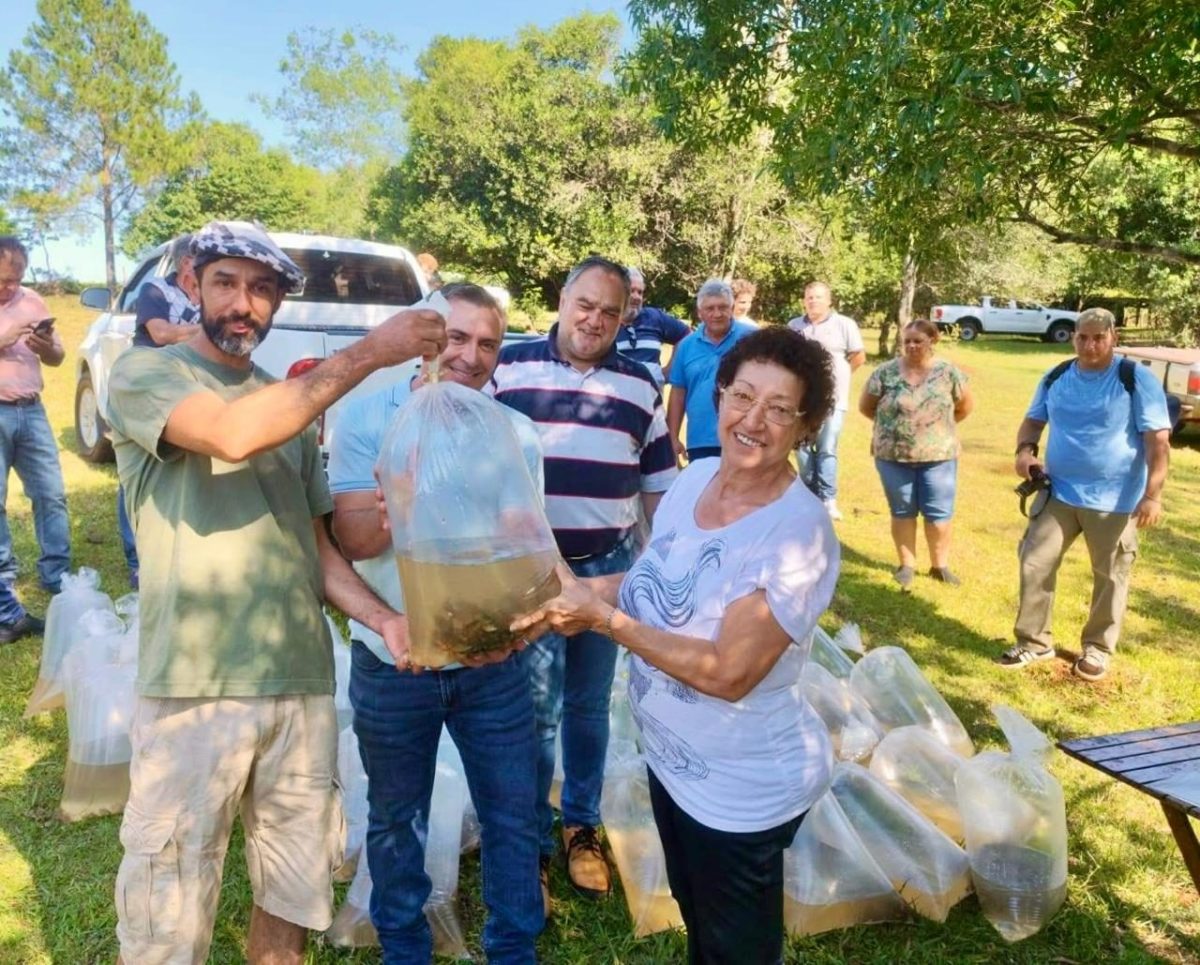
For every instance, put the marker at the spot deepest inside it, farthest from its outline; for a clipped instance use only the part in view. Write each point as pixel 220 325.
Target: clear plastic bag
pixel 470 535
pixel 1015 821
pixel 636 848
pixel 825 652
pixel 100 701
pixel 830 880
pixel 899 694
pixel 853 729
pixel 929 871
pixel 921 769
pixel 353 779
pixel 352 926
pixel 80 593
pixel 341 676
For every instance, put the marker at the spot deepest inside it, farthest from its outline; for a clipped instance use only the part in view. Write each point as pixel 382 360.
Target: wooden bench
pixel 1163 762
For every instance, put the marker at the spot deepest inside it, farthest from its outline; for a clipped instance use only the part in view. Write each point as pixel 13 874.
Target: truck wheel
pixel 1060 332
pixel 90 429
pixel 968 329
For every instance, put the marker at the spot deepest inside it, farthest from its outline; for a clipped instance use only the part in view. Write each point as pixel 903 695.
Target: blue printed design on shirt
pixel 673 601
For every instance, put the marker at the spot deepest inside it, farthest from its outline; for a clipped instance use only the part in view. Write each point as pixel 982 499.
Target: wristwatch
pixel 1031 446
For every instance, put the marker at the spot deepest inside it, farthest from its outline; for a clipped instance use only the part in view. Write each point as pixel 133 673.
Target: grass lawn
pixel 1129 898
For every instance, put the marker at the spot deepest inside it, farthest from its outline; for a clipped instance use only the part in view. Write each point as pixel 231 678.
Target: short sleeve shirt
pixel 1096 456
pixel 915 423
pixel 162 298
pixel 354 452
pixel 643 339
pixel 694 369
pixel 231 585
pixel 840 337
pixel 755 763
pixel 20 369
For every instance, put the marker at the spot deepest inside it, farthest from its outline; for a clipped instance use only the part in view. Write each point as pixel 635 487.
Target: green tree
pixel 522 156
pixel 95 94
pixel 230 176
pixel 1000 109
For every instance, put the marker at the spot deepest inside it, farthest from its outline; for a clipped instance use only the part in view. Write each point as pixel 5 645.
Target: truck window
pixel 351 278
pixel 129 296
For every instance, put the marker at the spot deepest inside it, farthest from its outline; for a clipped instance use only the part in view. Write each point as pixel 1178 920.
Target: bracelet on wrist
pixel 608 628
pixel 1031 446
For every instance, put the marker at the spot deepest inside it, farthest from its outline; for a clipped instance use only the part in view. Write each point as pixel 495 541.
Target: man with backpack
pixel 1105 465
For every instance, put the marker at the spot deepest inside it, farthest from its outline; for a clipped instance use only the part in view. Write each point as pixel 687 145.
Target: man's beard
pixel 239 346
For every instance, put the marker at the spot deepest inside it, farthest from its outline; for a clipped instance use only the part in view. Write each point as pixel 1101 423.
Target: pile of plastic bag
pixel 448 828
pixel 907 791
pixel 88 666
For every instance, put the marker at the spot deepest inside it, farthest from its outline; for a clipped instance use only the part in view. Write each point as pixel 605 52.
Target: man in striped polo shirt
pixel 607 457
pixel 645 330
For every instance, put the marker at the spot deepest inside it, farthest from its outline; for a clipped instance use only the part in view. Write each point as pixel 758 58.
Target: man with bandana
pixel 227 494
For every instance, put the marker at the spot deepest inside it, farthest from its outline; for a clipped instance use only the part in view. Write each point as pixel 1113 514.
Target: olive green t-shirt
pixel 230 581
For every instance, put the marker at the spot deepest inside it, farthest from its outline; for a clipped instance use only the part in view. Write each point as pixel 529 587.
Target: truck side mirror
pixel 97 298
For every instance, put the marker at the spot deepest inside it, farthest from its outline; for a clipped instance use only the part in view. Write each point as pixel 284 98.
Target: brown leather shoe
pixel 586 866
pixel 544 878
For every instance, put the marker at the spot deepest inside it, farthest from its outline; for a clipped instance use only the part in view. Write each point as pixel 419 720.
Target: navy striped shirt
pixel 604 434
pixel 643 339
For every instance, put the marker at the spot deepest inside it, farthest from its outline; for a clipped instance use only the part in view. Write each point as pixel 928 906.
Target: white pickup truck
pixel 1178 369
pixel 1008 318
pixel 351 286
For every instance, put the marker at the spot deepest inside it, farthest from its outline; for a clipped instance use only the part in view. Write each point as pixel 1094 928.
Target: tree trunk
pixel 110 246
pixel 908 290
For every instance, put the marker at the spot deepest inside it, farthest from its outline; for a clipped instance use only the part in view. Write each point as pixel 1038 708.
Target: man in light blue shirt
pixel 693 376
pixel 1106 462
pixel 398 714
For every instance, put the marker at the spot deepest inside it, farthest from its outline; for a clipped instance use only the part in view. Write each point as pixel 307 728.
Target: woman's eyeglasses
pixel 776 412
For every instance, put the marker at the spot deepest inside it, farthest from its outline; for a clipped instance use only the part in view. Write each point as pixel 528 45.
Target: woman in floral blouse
pixel 916 401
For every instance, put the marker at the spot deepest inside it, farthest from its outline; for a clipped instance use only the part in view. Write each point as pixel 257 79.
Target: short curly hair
pixel 804 358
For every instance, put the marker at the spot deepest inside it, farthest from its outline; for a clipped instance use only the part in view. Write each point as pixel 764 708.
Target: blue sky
pixel 225 50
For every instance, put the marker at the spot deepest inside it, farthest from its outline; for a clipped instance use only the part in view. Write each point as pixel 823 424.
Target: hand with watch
pixel 1027 458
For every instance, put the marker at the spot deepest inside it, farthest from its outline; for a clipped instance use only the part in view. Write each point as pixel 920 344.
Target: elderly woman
pixel 741 562
pixel 916 401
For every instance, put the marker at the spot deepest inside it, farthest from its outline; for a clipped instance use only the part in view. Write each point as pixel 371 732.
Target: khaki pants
pixel 197 762
pixel 1111 540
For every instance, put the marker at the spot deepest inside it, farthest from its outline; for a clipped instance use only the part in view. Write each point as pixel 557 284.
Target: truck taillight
pixel 299 368
pixel 1193 382
pixel 937 314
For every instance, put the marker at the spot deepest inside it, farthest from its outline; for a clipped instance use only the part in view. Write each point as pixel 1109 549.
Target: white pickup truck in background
pixel 1178 370
pixel 1007 318
pixel 351 286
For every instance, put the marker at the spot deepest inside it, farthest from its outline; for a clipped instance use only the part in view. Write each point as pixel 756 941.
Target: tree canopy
pixel 95 96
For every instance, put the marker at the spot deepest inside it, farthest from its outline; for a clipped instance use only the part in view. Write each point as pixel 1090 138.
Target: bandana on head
pixel 240 239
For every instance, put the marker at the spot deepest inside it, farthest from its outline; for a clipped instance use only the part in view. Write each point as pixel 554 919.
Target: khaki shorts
pixel 196 763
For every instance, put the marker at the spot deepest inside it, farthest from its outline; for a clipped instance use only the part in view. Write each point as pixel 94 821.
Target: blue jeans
pixel 128 541
pixel 571 679
pixel 11 610
pixel 818 461
pixel 27 445
pixel 398 718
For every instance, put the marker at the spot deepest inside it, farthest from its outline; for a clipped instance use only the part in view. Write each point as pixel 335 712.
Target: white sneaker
pixel 831 508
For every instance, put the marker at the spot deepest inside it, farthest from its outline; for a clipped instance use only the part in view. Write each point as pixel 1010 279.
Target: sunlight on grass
pixel 1129 899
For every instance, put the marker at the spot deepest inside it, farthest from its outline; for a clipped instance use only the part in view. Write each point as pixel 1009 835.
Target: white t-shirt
pixel 756 763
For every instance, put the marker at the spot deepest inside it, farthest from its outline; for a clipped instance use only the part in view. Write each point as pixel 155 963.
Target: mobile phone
pixel 43 327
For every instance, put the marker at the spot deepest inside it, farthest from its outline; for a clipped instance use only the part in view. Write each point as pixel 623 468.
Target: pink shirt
pixel 20 369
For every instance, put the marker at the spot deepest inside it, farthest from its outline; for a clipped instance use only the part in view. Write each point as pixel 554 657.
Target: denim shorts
pixel 927 488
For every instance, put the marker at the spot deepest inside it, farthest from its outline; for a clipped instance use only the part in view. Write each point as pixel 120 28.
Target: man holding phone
pixel 27 342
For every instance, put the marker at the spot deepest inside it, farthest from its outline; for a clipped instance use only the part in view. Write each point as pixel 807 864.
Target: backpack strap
pixel 1126 372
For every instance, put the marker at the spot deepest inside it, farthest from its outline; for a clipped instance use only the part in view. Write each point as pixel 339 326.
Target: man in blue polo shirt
pixel 1106 460
pixel 398 717
pixel 608 459
pixel 694 371
pixel 645 330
